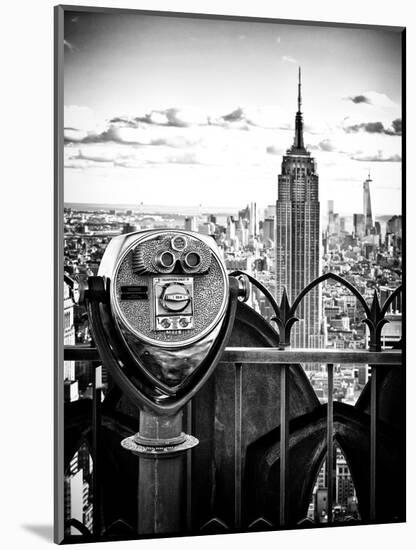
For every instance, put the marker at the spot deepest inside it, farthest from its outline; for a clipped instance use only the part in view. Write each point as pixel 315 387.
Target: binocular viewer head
pixel 167 289
pixel 161 311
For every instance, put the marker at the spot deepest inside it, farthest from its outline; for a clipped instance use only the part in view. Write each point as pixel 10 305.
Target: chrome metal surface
pixel 171 367
pixel 209 297
pixel 161 451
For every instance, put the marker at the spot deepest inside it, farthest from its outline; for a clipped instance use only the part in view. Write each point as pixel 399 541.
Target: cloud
pixel 237 119
pixel 82 118
pixel 249 136
pixel 372 98
pixel 187 157
pixel 173 127
pixel 273 150
pixel 92 154
pixel 376 128
pixel 74 135
pixel 95 155
pixel 124 121
pixel 76 163
pixel 359 99
pixel 126 131
pixel 288 59
pixel 266 117
pixel 379 157
pixel 238 114
pixel 370 127
pixel 181 118
pixel 326 145
pixel 397 126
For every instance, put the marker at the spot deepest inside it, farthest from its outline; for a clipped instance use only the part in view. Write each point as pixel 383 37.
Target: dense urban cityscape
pixel 283 246
pixel 368 257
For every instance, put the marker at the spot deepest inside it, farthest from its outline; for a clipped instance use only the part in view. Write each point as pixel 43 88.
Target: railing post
pixel 237 445
pixel 330 440
pixel 373 442
pixel 283 445
pixel 96 440
pixel 189 469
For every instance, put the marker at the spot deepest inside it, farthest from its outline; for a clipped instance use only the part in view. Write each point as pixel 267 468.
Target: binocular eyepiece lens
pixel 166 259
pixel 192 259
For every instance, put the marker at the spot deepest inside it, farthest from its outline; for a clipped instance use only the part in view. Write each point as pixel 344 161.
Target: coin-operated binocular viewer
pixel 161 312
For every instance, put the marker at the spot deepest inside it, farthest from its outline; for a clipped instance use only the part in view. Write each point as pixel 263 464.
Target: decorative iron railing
pixel 284 357
pixel 285 314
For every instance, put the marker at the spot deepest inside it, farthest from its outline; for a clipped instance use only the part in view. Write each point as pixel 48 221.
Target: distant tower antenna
pixel 298 142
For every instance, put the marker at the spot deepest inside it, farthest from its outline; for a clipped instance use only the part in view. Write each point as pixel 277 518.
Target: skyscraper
pixel 330 217
pixel 297 234
pixel 253 220
pixel 368 217
pixel 359 225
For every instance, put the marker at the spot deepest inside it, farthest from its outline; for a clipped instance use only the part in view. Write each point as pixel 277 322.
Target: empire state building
pixel 297 235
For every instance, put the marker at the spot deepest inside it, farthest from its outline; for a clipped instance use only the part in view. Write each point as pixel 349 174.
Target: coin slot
pixel 134 292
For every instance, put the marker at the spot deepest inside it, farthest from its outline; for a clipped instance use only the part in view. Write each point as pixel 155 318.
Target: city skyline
pixel 203 108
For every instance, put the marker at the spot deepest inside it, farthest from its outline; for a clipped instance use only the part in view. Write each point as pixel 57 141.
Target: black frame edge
pixel 58 356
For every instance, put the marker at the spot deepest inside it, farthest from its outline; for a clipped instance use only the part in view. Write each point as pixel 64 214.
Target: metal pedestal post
pixel 161 446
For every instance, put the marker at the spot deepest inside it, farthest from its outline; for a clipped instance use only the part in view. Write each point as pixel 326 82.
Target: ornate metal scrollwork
pixel 285 313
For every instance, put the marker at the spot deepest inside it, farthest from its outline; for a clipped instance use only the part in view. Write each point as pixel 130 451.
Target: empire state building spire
pixel 298 141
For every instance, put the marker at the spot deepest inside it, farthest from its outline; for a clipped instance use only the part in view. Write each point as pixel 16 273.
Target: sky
pixel 188 111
